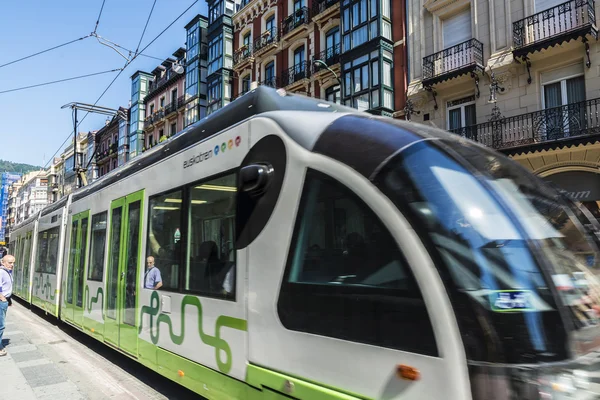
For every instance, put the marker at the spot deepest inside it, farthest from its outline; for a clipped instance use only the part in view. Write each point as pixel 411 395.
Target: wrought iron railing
pixel 295 73
pixel 170 108
pixel 180 101
pixel 553 22
pixel 320 6
pixel 148 122
pixel 272 81
pixel 331 56
pixel 293 21
pixel 242 54
pixel 269 36
pixel 557 123
pixel 453 59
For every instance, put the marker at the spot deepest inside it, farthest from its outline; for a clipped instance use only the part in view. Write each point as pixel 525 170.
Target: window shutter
pixel 457 29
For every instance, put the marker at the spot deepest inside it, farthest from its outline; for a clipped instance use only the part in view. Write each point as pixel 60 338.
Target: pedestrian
pixel 6 266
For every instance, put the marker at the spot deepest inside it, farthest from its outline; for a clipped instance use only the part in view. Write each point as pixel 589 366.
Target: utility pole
pixel 79 169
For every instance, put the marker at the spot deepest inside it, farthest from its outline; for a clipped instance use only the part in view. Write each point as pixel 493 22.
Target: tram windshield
pixel 523 276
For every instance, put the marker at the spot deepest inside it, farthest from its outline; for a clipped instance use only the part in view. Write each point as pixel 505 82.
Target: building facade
pixel 520 76
pixel 196 69
pixel 140 83
pixel 6 181
pixel 220 77
pixel 350 51
pixel 31 195
pixel 62 178
pixel 106 142
pixel 164 103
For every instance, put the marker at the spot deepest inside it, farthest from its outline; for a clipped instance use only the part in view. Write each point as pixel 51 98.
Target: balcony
pixel 571 20
pixel 148 122
pixel 266 42
pixel 181 101
pixel 551 126
pixel 323 10
pixel 331 57
pixel 242 58
pixel 294 24
pixel 271 82
pixel 171 108
pixel 296 75
pixel 453 62
pixel 110 151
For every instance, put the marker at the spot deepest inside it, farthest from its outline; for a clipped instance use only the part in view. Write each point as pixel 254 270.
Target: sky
pixel 33 126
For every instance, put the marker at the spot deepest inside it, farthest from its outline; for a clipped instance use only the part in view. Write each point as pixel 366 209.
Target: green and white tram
pixel 310 251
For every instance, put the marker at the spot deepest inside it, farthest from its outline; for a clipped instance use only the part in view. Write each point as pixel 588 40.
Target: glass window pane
pixel 132 260
pixel 348 279
pixel 552 95
pixel 387 74
pixel 576 90
pixel 355 15
pixel 375 72
pixel 72 255
pixel 164 237
pixel 211 249
pixel 363 11
pixel 365 76
pixel 373 8
pixel 83 237
pixel 113 262
pixel 348 84
pixel 454 119
pixel 96 264
pixel 375 99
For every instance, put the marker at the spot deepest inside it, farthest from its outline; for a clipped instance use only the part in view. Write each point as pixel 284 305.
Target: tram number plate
pixel 511 300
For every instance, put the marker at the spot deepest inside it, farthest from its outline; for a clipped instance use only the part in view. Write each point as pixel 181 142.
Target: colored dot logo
pixel 238 140
pixel 216 150
pixel 230 144
pixel 223 147
pixel 227 145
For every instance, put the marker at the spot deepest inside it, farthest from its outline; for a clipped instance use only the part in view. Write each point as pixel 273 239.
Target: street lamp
pixel 324 64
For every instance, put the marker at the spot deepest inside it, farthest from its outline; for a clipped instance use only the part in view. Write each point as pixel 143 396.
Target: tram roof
pixel 261 100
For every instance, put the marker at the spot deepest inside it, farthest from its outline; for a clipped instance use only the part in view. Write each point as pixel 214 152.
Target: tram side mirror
pixel 255 178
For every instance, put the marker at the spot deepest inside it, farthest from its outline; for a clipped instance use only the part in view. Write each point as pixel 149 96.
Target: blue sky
pixel 33 125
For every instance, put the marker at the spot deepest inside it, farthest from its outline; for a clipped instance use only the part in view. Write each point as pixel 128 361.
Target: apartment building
pixel 196 69
pixel 165 101
pixel 31 195
pixel 520 76
pixel 106 141
pixel 62 177
pixel 349 51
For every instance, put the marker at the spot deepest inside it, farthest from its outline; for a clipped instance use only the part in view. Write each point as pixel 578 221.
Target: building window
pixel 332 94
pixel 246 84
pixel 151 109
pixel 299 60
pixel 345 276
pixel 362 83
pixel 193 42
pixel 174 97
pixel 215 94
pixel 563 100
pixel 246 41
pixel 356 20
pixel 270 27
pixel 461 114
pixel 457 29
pixel 215 11
pixel 215 53
pixel 135 90
pixel 270 74
pixel 298 4
pixel 332 43
pixel 162 102
pixel 191 79
pixel 173 129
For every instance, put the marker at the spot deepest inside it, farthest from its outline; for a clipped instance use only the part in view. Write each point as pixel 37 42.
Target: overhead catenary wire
pixel 117 76
pixel 58 81
pixel 99 15
pixel 44 51
pixel 145 26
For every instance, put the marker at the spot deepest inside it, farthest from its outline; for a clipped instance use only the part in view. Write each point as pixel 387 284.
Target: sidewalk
pixel 26 372
pixel 48 360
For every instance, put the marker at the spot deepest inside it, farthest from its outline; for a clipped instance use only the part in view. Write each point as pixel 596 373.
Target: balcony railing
pixel 181 101
pixel 331 56
pixel 293 21
pixel 452 62
pixel 273 82
pixel 268 37
pixel 295 74
pixel 171 108
pixel 562 22
pixel 242 54
pixel 552 124
pixel 148 122
pixel 320 6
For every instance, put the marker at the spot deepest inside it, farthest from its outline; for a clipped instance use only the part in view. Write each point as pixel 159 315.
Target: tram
pixel 310 251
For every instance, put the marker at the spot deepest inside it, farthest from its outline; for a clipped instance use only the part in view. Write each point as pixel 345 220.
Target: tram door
pixel 122 275
pixel 76 267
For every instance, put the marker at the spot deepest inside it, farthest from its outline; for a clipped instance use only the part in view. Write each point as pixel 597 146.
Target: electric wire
pixel 44 51
pixel 99 15
pixel 117 76
pixel 145 26
pixel 58 81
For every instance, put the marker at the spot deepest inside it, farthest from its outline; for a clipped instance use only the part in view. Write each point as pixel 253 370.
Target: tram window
pixel 211 257
pixel 164 236
pixel 47 251
pixel 97 249
pixel 346 277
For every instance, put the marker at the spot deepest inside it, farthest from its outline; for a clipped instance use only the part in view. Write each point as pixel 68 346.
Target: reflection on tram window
pixel 504 240
pixel 211 263
pixel 96 268
pixel 73 253
pixel 47 251
pixel 346 277
pixel 164 236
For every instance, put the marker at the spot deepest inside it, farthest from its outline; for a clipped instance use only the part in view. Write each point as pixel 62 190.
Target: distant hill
pixel 7 166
